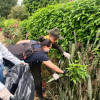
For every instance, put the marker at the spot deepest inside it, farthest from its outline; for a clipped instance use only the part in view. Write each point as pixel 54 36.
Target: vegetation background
pixel 79 24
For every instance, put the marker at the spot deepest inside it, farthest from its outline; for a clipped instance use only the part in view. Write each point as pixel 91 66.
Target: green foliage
pixel 9 22
pixel 18 12
pixel 5 7
pixel 23 29
pixel 81 16
pixel 84 61
pixel 33 5
pixel 11 31
pixel 2 19
pixel 77 72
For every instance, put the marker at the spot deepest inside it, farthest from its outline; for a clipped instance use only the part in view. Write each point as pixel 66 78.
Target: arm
pixel 52 66
pixel 7 55
pixel 56 46
pixel 23 41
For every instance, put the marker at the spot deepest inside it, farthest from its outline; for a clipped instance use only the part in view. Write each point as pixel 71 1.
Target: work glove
pixel 5 94
pixel 67 55
pixel 65 71
pixel 22 62
pixel 55 76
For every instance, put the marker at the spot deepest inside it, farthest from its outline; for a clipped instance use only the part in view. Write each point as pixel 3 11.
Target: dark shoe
pixel 43 98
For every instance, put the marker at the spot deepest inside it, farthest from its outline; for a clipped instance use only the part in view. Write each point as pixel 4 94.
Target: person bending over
pixel 35 61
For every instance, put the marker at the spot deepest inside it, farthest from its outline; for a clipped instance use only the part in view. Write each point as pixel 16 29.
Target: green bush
pixel 9 22
pixel 82 73
pixel 2 19
pixel 18 12
pixel 11 31
pixel 81 16
pixel 33 5
pixel 23 28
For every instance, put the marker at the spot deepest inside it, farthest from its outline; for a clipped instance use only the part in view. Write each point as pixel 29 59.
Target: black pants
pixel 35 69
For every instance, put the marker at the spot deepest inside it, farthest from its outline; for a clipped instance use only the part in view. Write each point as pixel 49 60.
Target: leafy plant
pixel 81 16
pixel 5 7
pixel 18 12
pixel 11 31
pixel 32 6
pixel 84 62
pixel 2 19
pixel 78 72
pixel 9 22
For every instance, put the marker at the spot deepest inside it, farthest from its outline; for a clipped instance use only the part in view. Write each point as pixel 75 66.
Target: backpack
pixel 24 50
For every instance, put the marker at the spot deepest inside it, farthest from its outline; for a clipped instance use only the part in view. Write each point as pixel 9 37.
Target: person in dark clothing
pixel 53 36
pixel 35 61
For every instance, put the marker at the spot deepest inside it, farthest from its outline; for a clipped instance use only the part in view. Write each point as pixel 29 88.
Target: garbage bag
pixel 8 63
pixel 19 81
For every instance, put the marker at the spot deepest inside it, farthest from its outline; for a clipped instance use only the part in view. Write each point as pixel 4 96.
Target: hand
pixel 5 94
pixel 65 71
pixel 67 55
pixel 22 62
pixel 55 76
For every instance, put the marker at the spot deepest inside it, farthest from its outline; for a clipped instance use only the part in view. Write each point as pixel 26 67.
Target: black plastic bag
pixel 19 81
pixel 8 63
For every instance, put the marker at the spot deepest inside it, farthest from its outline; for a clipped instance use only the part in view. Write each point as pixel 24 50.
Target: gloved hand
pixel 22 62
pixel 5 94
pixel 67 55
pixel 65 71
pixel 55 76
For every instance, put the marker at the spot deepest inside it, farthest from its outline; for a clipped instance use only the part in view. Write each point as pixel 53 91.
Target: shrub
pixel 11 31
pixel 23 29
pixel 84 63
pixel 33 5
pixel 18 12
pixel 9 22
pixel 81 16
pixel 2 19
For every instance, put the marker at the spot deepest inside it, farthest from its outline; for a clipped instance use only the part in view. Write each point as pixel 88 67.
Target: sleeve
pixel 7 55
pixel 56 46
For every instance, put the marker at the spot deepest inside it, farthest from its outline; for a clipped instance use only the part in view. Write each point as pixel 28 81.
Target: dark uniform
pixel 35 61
pixel 55 46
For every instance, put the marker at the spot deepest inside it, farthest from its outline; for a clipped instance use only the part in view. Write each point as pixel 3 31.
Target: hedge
pixel 81 16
